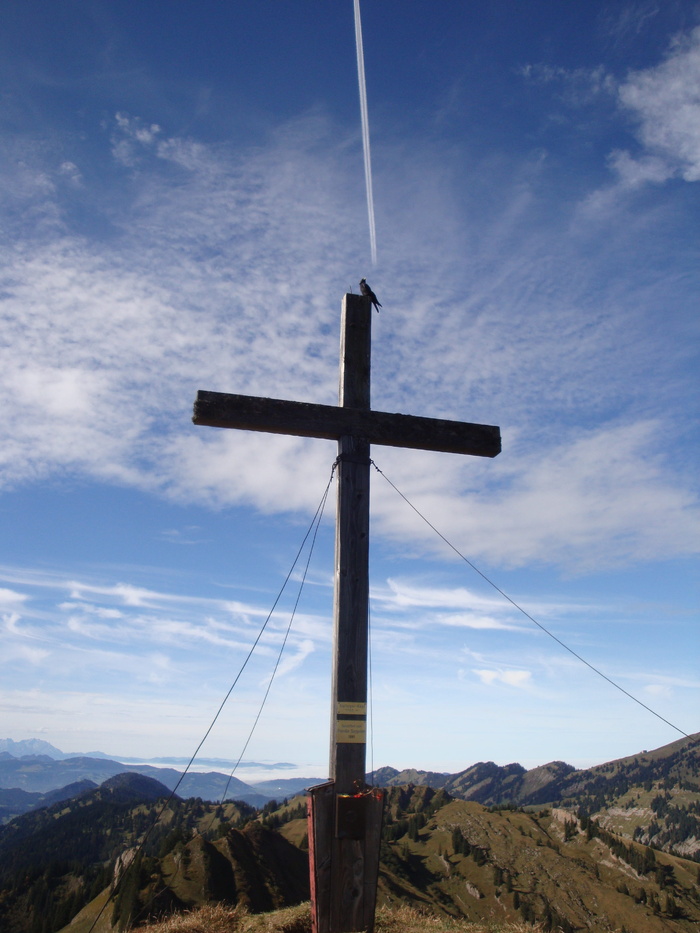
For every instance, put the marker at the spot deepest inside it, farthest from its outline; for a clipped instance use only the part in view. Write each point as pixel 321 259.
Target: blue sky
pixel 183 207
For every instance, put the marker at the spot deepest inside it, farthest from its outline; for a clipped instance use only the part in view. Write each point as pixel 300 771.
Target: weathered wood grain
pixel 344 871
pixel 321 823
pixel 306 419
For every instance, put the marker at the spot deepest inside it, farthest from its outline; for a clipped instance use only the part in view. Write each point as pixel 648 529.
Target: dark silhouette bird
pixel 368 293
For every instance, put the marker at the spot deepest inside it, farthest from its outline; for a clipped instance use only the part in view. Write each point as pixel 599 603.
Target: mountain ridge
pixel 42 774
pixel 619 791
pixel 651 797
pixel 491 784
pixel 452 859
pixel 561 867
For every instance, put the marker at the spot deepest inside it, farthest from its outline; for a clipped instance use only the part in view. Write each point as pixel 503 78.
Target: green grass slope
pixel 652 797
pixel 464 860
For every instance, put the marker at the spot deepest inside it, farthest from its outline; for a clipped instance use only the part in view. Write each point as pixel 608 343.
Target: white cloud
pixel 658 690
pixel 291 662
pixel 11 622
pixel 400 598
pixel 665 102
pixel 87 608
pixel 163 624
pixel 626 20
pixel 125 593
pixel 405 594
pixel 635 172
pixel 130 135
pixel 227 275
pixel 519 679
pixel 21 653
pixel 11 598
pixel 483 623
pixel 602 496
pixel 662 682
pixel 580 86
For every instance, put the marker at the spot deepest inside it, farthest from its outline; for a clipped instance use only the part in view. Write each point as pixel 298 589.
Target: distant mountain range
pixel 40 747
pixel 449 857
pixel 621 793
pixel 652 797
pixel 41 774
pixel 25 782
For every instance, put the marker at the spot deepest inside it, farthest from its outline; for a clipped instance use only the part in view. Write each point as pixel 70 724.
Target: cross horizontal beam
pixel 305 419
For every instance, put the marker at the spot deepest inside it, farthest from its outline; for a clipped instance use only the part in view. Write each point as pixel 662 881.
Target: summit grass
pixel 402 919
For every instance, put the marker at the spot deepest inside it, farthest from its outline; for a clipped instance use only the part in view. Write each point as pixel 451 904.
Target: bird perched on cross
pixel 368 293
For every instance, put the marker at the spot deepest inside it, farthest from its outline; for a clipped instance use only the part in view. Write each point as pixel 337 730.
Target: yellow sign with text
pixel 352 709
pixel 351 731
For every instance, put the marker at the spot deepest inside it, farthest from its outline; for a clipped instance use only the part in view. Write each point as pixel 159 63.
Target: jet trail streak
pixel 365 130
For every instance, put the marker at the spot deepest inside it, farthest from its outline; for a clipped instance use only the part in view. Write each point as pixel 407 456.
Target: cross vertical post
pixel 345 818
pixel 351 592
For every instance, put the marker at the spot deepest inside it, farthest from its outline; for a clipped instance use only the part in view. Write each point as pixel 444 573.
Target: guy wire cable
pixel 316 523
pixel 524 612
pixel 140 848
pixel 317 520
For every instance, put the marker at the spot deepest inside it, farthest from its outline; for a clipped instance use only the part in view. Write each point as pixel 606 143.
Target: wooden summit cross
pixel 345 816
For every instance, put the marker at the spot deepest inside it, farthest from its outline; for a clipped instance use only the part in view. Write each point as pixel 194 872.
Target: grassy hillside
pixel 462 859
pixel 55 860
pixel 652 797
pixel 577 866
pixel 298 920
pixel 449 860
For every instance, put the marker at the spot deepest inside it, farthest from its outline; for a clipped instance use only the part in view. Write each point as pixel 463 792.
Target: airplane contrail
pixel 365 131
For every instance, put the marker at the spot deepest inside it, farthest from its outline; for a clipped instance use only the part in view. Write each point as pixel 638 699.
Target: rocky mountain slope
pixel 458 859
pixel 461 859
pixel 653 797
pixel 14 802
pixel 452 857
pixel 580 864
pixel 55 860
